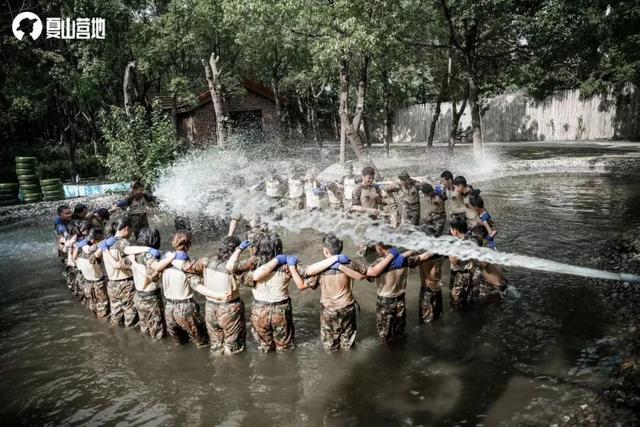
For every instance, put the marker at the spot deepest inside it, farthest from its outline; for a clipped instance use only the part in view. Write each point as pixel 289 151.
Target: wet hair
pixel 368 171
pixel 426 189
pixel 136 185
pixel 85 227
pixel 113 228
pixel 446 175
pixel 332 244
pixel 476 200
pixel 404 176
pixel 123 223
pixel 103 213
pixel 459 224
pixel 62 208
pixel 383 245
pixel 475 192
pixel 227 247
pixel 479 234
pixel 150 237
pixel 95 234
pixel 460 180
pixel 181 241
pixel 268 246
pixel 79 208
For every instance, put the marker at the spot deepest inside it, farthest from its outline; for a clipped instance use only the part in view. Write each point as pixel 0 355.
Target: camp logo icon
pixel 27 25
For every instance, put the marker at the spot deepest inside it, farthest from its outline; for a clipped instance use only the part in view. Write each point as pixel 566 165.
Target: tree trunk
pixel 351 127
pixel 457 114
pixel 276 97
pixel 174 112
pixel 367 130
pixel 434 122
pixel 130 86
pixel 343 144
pixel 475 117
pixel 212 73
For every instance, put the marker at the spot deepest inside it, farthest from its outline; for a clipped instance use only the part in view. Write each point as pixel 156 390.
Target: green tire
pixel 50 181
pixel 25 171
pixel 52 190
pixel 6 185
pixel 26 159
pixel 6 197
pixel 28 177
pixel 54 185
pixel 30 187
pixel 9 202
pixel 8 190
pixel 58 195
pixel 51 199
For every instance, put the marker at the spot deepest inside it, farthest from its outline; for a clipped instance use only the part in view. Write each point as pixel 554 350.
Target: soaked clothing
pixel 253 226
pixel 121 294
pixel 409 201
pixel 470 212
pixel 120 287
pixel 390 307
pixel 137 206
pixel 434 216
pixel 367 196
pixel 226 325
pixel 96 221
pixel 430 305
pixel 224 312
pixel 94 282
pixel 486 217
pixel 338 316
pixel 184 322
pixel 296 194
pixel 461 282
pixel 150 310
pixel 491 285
pixel 272 325
pixel 148 298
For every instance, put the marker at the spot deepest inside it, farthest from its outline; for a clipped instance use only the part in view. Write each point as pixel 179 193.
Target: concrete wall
pixel 515 117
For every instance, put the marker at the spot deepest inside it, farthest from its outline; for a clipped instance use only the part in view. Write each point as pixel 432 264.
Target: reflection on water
pixel 60 365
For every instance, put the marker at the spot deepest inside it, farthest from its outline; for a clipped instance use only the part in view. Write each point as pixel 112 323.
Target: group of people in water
pixel 135 285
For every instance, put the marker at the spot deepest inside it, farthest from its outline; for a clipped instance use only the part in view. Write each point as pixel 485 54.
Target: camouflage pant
pixel 70 275
pixel 391 318
pixel 226 325
pixel 184 322
pixel 296 203
pixel 411 213
pixel 461 288
pixel 150 310
pixel 100 299
pixel 430 304
pixel 139 221
pixel 338 328
pixel 272 325
pixel 489 293
pixel 123 309
pixel 433 225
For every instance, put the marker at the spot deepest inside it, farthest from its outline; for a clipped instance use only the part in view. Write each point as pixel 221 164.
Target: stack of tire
pixel 52 189
pixel 9 194
pixel 26 169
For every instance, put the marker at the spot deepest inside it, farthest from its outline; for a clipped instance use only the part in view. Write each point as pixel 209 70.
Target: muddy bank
pixel 43 212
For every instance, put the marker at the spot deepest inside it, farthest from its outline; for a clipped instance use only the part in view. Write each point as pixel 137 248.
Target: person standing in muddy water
pixel 94 283
pixel 492 284
pixel 430 306
pixel 120 287
pixel 99 218
pixel 484 219
pixel 335 275
pixel 147 268
pixel 271 315
pixel 463 273
pixel 434 217
pixel 225 312
pixel 367 201
pixel 181 312
pixel 295 191
pixel 408 192
pixel 462 193
pixel 137 205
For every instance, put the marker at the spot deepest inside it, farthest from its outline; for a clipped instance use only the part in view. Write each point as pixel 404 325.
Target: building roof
pixel 203 96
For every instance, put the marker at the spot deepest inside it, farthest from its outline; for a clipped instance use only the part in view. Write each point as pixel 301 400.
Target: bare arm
pixel 295 275
pixel 118 265
pixel 355 275
pixel 135 250
pixel 379 268
pixel 233 259
pixel 320 266
pixel 264 270
pixel 160 265
pixel 232 226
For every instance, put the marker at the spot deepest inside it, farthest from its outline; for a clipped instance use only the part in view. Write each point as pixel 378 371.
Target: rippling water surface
pixel 59 365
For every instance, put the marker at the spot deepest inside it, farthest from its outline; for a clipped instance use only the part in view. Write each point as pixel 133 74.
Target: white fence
pixel 515 117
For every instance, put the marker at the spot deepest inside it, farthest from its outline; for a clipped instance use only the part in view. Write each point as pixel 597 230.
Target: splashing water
pixel 218 182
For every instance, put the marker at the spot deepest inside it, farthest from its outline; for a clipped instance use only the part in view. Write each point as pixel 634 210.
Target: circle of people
pixel 134 285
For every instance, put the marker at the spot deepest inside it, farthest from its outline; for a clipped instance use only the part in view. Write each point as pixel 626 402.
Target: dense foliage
pixel 386 54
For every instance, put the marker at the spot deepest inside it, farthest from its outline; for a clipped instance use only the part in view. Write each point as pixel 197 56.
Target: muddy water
pixel 59 365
